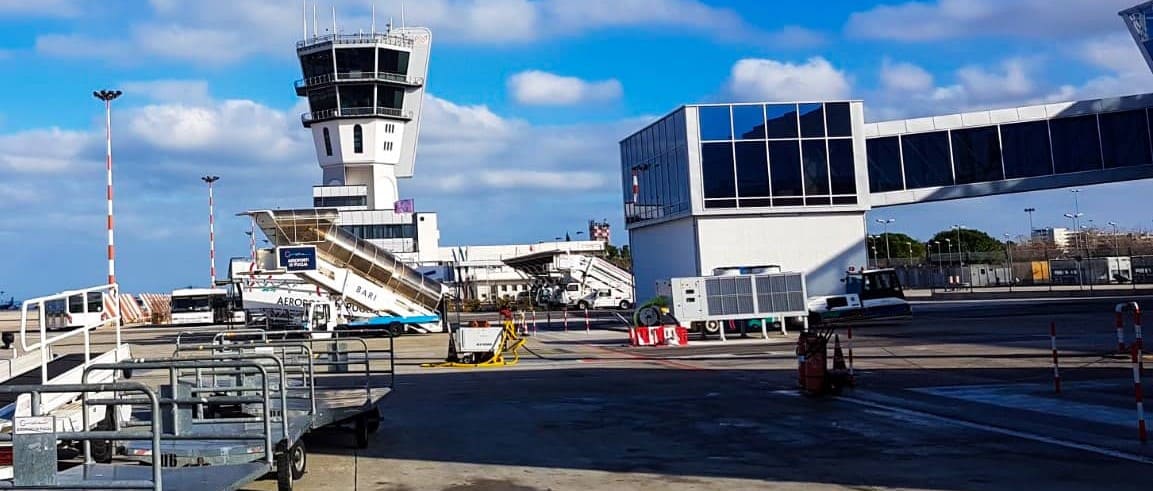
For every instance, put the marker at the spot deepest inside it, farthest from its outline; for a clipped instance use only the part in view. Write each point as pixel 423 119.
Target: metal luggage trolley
pixel 347 387
pixel 34 440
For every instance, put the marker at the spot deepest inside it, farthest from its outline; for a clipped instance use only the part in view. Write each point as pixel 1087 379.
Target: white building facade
pixel 723 185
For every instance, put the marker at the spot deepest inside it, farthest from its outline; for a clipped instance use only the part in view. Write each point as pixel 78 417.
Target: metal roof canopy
pixel 537 264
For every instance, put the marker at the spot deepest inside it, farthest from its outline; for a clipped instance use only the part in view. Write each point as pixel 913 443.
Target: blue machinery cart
pixel 225 414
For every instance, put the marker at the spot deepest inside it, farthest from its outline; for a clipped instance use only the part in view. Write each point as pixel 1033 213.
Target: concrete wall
pixel 823 246
pixel 663 251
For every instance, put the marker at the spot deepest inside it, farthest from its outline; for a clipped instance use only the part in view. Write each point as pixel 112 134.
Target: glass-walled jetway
pixel 1010 150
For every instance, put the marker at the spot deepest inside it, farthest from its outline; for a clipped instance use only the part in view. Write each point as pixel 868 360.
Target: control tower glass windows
pixel 357 139
pixel 322 99
pixel 354 97
pixel 393 61
pixel 355 61
pixel 316 64
pixel 1076 144
pixel 390 97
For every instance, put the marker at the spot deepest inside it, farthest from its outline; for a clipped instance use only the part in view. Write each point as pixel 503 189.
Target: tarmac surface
pixel 960 398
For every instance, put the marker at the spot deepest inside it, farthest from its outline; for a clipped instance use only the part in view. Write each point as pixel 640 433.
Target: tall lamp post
pixel 211 228
pixel 1116 248
pixel 1030 212
pixel 1009 255
pixel 960 245
pixel 888 256
pixel 108 96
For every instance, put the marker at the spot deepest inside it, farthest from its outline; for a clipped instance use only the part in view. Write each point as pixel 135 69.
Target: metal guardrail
pixel 358 76
pixel 356 112
pixel 39 480
pixel 358 38
pixel 44 343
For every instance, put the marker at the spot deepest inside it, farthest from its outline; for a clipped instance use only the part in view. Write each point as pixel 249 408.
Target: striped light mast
pixel 211 228
pixel 108 96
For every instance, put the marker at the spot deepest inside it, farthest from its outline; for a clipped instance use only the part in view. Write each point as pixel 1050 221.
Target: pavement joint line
pixel 1005 431
pixel 659 361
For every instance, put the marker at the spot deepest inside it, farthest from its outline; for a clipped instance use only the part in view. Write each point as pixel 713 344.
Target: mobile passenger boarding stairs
pixel 40 365
pixel 350 270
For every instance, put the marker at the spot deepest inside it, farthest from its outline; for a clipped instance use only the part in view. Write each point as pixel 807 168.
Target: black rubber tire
pixel 625 305
pixel 395 329
pixel 102 451
pixel 298 457
pixel 582 305
pixel 360 431
pixel 283 472
pixel 373 420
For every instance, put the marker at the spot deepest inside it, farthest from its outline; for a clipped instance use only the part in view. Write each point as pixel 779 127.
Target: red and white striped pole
pixel 534 322
pixel 1136 351
pixel 1120 324
pixel 1056 366
pixel 566 320
pixel 588 323
pixel 108 96
pixel 211 228
pixel 636 186
pixel 850 350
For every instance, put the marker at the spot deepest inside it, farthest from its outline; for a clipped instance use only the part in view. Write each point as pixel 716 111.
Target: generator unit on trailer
pixel 753 301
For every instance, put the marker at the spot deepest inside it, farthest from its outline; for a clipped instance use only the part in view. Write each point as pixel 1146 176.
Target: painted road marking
pixel 1012 398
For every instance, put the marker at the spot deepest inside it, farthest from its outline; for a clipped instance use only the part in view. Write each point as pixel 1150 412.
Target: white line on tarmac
pixel 1004 431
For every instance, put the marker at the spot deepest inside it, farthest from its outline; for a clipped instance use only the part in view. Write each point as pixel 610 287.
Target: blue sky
pixel 208 90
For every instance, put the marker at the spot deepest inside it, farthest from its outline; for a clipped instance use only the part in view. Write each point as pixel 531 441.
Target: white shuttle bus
pixel 197 305
pixel 79 310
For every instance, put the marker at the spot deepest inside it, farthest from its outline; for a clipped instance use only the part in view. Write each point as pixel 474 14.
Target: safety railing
pixel 358 76
pixel 201 395
pixel 356 112
pixel 44 343
pixel 356 38
pixel 37 435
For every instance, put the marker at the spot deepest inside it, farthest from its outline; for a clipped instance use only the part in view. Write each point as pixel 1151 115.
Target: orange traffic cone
pixel 838 355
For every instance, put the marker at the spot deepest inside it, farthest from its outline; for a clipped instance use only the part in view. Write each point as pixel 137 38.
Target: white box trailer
pixel 759 301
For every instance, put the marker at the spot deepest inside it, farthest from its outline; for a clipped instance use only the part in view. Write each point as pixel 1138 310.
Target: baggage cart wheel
pixel 283 472
pixel 298 458
pixel 373 420
pixel 395 329
pixel 360 429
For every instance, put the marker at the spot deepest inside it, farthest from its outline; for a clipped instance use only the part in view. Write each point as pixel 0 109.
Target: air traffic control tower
pixel 790 183
pixel 365 93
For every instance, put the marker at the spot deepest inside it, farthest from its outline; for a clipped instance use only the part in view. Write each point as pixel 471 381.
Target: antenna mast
pixel 315 18
pixel 374 17
pixel 402 24
pixel 304 16
pixel 334 19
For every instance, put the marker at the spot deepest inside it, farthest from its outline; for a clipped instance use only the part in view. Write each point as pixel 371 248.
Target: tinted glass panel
pixel 391 97
pixel 752 169
pixel 315 64
pixel 788 201
pixel 785 162
pixel 749 122
pixel 355 96
pixel 838 120
pixel 717 170
pixel 825 201
pixel 816 161
pixel 977 155
pixel 721 203
pixel 842 167
pixel 1125 138
pixel 782 120
pixel 755 203
pixel 1075 144
pixel 392 61
pixel 322 100
pixel 350 60
pixel 715 123
pixel 884 164
pixel 812 120
pixel 927 160
pixel 1026 151
pixel 844 200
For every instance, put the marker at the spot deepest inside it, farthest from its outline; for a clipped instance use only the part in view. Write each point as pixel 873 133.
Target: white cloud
pixel 41 8
pixel 772 80
pixel 217 32
pixel 535 87
pixel 951 19
pixel 542 180
pixel 904 77
pixel 43 151
pixel 180 91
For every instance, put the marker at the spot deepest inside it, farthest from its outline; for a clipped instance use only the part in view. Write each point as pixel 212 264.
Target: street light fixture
pixel 108 96
pixel 1030 212
pixel 211 229
pixel 888 256
pixel 1116 248
pixel 960 245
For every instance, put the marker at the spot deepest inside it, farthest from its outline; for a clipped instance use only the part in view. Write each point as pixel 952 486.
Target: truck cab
pixel 873 295
pixel 603 299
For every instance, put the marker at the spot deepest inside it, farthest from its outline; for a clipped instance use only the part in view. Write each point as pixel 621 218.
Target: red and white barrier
pixel 1119 314
pixel 1136 352
pixel 588 323
pixel 1056 369
pixel 658 336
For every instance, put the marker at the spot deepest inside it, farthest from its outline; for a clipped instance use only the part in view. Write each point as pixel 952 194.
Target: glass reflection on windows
pixel 785 166
pixel 842 167
pixel 884 164
pixel 812 120
pixel 1125 139
pixel 749 122
pixel 659 161
pixel 715 123
pixel 977 155
pixel 838 119
pixel 781 121
pixel 1025 149
pixel 752 169
pixel 926 158
pixel 815 161
pixel 1076 145
pixel 717 170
